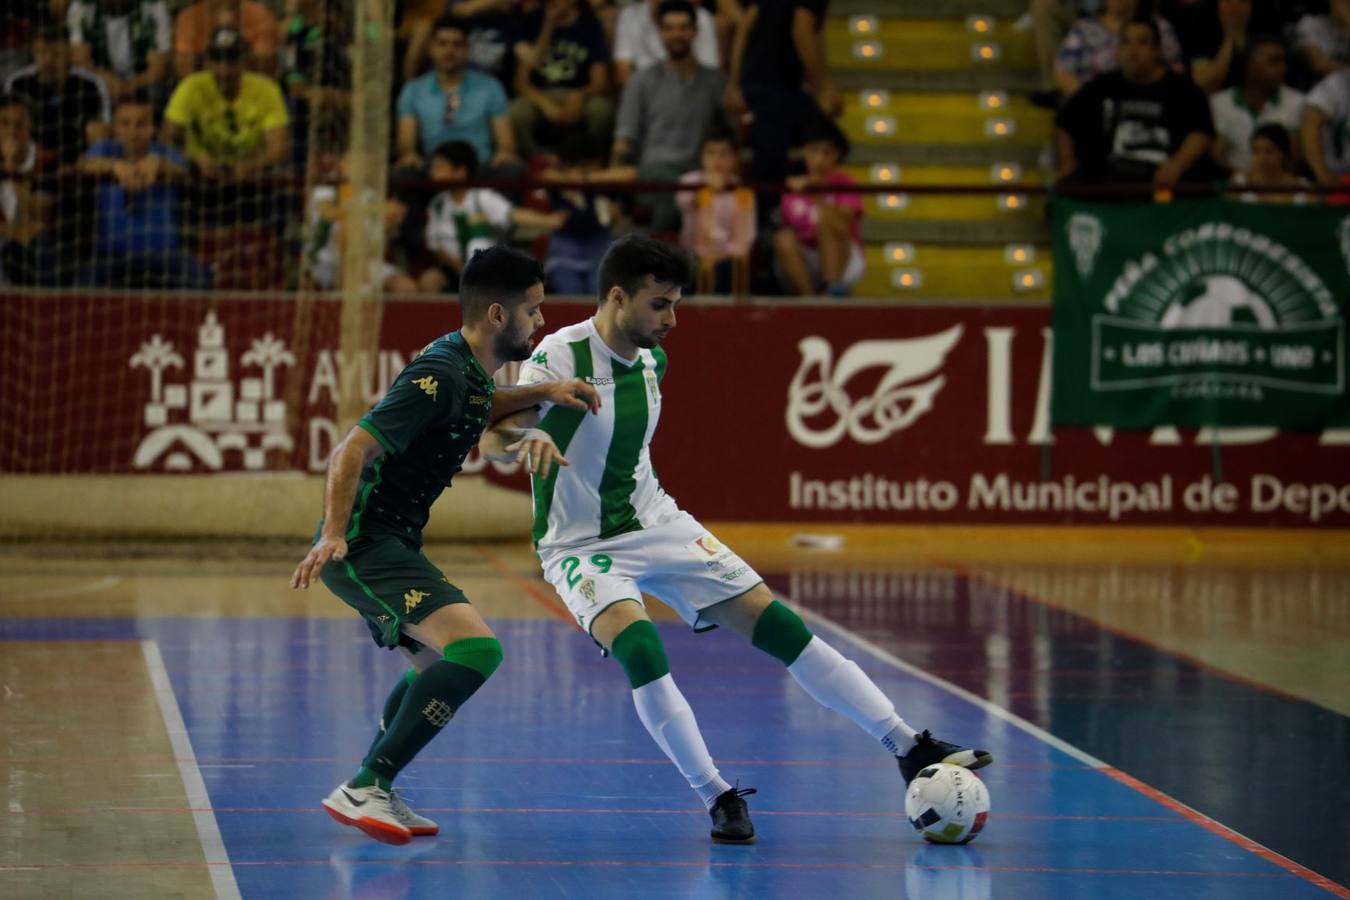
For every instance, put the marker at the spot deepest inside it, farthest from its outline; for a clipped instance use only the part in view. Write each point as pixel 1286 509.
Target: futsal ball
pixel 947 804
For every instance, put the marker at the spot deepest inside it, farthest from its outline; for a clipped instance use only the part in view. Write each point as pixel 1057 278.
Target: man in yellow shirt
pixel 234 122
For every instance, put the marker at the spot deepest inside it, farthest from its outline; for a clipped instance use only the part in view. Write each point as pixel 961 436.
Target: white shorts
pixel 854 270
pixel 679 562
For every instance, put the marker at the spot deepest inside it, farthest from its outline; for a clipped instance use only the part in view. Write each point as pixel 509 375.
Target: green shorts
pixel 389 582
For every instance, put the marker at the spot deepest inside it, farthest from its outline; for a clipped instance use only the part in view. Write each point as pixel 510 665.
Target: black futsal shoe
pixel 731 817
pixel 927 751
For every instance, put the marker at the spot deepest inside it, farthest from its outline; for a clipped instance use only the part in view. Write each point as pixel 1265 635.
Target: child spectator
pixel 1271 165
pixel 572 265
pixel 136 241
pixel 819 244
pixel 718 216
pixel 461 219
pixel 326 237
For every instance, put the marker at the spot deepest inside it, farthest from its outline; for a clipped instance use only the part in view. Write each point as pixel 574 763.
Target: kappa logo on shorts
pixel 413 598
pixel 427 384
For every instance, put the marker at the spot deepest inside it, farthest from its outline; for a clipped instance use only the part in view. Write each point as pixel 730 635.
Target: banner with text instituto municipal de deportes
pixel 1201 313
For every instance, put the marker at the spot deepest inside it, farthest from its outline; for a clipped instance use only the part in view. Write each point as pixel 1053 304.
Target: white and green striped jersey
pixel 609 489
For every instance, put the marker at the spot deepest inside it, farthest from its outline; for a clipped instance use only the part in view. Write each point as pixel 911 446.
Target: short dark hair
pixel 1145 21
pixel 1277 135
pixel 633 257
pixel 459 154
pixel 718 133
pixel 667 7
pixel 498 274
pixel 49 29
pixel 452 23
pixel 1261 40
pixel 822 128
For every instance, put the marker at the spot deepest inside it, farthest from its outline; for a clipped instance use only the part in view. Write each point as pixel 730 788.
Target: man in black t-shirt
pixel 562 77
pixel 1140 123
pixel 71 106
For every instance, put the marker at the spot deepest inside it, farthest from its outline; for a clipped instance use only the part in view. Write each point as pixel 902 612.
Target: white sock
pixel 670 722
pixel 838 684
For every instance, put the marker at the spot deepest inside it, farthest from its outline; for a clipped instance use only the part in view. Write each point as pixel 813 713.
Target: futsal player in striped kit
pixel 605 532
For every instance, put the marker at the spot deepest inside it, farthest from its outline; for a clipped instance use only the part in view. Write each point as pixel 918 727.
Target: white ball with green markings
pixel 947 804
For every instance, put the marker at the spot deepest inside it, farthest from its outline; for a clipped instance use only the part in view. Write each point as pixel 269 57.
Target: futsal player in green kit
pixel 382 480
pixel 606 532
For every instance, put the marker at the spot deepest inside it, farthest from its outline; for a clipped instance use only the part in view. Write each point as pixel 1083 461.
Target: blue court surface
pixel 546 784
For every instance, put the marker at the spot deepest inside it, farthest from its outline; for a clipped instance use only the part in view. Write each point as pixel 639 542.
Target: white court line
pixel 992 709
pixel 208 832
pixel 89 587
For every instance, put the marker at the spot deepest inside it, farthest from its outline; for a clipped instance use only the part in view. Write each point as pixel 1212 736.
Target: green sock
pixel 391 707
pixel 365 778
pixel 431 701
pixel 781 633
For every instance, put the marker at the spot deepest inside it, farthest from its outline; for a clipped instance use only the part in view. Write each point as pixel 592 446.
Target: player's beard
pixel 514 347
pixel 647 341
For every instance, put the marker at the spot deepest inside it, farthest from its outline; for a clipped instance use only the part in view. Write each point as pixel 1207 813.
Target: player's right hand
pixel 327 548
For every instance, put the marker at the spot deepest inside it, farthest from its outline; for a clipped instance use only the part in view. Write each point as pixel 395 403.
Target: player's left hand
pixel 537 450
pixel 575 393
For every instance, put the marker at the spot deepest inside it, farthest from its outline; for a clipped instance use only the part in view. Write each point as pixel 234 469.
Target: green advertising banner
pixel 1200 313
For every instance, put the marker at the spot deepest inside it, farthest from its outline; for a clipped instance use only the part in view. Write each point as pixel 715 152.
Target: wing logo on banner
pixel 819 388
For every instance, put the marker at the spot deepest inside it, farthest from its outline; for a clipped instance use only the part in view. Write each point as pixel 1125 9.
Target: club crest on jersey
pixel 540 358
pixel 427 384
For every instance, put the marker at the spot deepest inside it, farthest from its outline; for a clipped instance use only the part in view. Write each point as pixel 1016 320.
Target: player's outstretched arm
pixel 574 393
pixel 344 474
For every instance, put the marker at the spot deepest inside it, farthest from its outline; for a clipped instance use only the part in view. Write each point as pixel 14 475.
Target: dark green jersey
pixel 431 418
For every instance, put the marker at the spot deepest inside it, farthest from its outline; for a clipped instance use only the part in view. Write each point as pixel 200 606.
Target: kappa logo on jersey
pixel 478 400
pixel 427 384
pixel 412 599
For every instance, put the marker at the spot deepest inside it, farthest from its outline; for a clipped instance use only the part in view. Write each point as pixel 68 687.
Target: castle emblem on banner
pixel 195 424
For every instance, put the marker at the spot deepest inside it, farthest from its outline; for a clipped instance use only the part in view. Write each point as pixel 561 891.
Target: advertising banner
pixel 1202 313
pixel 771 412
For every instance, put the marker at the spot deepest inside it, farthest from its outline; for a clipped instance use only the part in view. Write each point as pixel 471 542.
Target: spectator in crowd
pixel 1324 40
pixel 1216 41
pixel 1090 48
pixel 819 247
pixel 1326 128
pixel 1140 122
pixel 665 111
pixel 70 105
pixel 126 42
pixel 1049 20
pixel 235 127
pixel 572 264
pixel 1271 165
pixel 461 219
pixel 195 25
pixel 414 20
pixel 325 235
pixel 137 243
pixel 719 217
pixel 27 251
pixel 639 41
pixel 453 102
pixel 562 77
pixel 779 48
pixel 1262 98
pixel 315 64
pixel 492 25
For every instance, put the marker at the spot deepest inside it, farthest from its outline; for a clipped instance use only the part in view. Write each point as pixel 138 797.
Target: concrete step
pixel 928 9
pixel 902 268
pixel 906 45
pixel 1000 233
pixel 879 117
pixel 980 155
